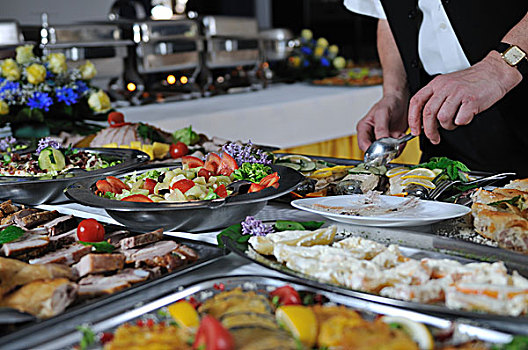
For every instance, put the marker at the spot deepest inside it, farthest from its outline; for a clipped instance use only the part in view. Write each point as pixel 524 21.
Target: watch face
pixel 513 55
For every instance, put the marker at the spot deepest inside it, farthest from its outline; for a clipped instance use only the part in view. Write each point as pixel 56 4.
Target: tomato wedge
pixel 149 185
pixel 212 335
pixel 137 198
pixel 116 119
pixel 287 295
pixel 255 188
pixel 270 180
pixel 228 162
pixel 183 185
pixel 103 186
pixel 221 191
pixel 117 184
pixel 205 173
pixel 212 163
pixel 192 162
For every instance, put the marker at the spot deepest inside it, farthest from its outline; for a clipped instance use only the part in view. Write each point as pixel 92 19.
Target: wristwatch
pixel 515 57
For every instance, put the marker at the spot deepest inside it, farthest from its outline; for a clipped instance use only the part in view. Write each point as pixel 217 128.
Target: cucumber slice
pixel 307 166
pixel 295 158
pixel 294 166
pixel 51 159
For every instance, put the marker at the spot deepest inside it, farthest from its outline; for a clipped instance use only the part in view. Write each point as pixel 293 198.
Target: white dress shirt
pixel 438 46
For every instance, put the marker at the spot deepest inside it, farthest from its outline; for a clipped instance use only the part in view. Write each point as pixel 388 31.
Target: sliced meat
pixel 168 261
pixel 187 252
pixel 63 239
pixel 116 236
pixel 10 219
pixel 7 208
pixel 60 225
pixel 143 239
pixel 95 285
pixel 67 256
pixel 26 248
pixel 97 263
pixel 149 252
pixel 34 219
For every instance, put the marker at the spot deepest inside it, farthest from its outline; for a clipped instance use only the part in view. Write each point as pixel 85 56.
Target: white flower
pixel 24 54
pixel 87 70
pixel 306 34
pixel 57 63
pixel 99 101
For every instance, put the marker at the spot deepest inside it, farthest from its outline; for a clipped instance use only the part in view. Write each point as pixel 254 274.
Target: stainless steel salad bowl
pixel 35 190
pixel 193 216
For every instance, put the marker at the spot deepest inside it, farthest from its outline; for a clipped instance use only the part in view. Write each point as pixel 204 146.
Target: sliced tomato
pixel 178 150
pixel 270 180
pixel 228 162
pixel 205 173
pixel 117 184
pixel 104 186
pixel 212 335
pixel 192 162
pixel 225 172
pixel 212 163
pixel 255 188
pixel 287 295
pixel 221 191
pixel 137 198
pixel 149 185
pixel 183 185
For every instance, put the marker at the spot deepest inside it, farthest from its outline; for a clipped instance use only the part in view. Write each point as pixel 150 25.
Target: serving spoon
pixel 382 151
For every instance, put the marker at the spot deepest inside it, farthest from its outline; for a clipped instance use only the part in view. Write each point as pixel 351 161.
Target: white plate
pixel 427 212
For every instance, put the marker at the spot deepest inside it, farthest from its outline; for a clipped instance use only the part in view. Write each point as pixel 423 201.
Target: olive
pixel 307 186
pixel 161 178
pixel 417 191
pixel 349 187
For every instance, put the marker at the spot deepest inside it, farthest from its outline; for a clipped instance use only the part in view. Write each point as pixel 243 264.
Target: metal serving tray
pixel 412 245
pixel 33 190
pixel 24 331
pixel 204 289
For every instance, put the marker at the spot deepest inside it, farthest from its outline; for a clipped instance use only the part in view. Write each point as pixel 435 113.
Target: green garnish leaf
pixel 519 342
pixel 88 337
pixel 286 225
pixel 253 172
pixel 211 195
pixel 186 135
pixel 100 247
pixel 233 232
pixel 148 132
pixel 452 168
pixel 394 325
pixel 10 234
pixel 515 201
pixel 275 301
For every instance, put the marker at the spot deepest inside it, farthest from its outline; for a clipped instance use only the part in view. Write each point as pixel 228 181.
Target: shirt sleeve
pixel 371 8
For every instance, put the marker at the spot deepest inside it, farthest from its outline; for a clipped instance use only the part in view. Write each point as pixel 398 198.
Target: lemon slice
pixel 321 173
pixel 300 321
pixel 418 181
pixel 184 314
pixel 417 331
pixel 51 159
pixel 420 173
pixel 396 171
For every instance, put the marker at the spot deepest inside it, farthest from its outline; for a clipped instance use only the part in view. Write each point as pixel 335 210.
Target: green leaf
pixel 312 225
pixel 243 239
pixel 100 247
pixel 186 135
pixel 284 225
pixel 513 201
pixel 233 232
pixel 10 234
pixel 88 337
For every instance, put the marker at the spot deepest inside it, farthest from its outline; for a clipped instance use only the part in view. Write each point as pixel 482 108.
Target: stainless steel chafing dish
pixel 10 38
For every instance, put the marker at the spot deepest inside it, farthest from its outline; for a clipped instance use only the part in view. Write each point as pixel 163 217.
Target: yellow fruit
pixel 300 321
pixel 418 181
pixel 396 171
pixel 110 145
pixel 321 173
pixel 148 149
pixel 420 173
pixel 417 331
pixel 184 314
pixel 160 149
pixel 135 145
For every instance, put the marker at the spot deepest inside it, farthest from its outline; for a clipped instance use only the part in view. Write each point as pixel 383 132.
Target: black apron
pixel 497 139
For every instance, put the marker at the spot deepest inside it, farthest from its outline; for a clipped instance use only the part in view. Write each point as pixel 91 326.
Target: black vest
pixel 497 139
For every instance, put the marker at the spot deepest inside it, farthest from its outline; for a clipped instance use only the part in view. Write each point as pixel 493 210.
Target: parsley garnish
pixel 100 247
pixel 10 234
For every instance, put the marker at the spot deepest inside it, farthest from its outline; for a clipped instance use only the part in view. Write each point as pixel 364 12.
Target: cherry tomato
pixel 117 185
pixel 116 119
pixel 183 185
pixel 149 185
pixel 205 173
pixel 103 186
pixel 255 188
pixel 137 198
pixel 270 180
pixel 212 335
pixel 106 337
pixel 287 295
pixel 212 163
pixel 228 162
pixel 89 230
pixel 221 191
pixel 192 162
pixel 178 150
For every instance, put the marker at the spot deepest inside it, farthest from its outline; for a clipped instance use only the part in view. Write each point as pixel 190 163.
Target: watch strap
pixel 522 66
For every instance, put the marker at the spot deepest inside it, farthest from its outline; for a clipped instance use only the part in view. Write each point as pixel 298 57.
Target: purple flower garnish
pixel 247 153
pixel 254 227
pixel 47 142
pixel 40 100
pixel 6 143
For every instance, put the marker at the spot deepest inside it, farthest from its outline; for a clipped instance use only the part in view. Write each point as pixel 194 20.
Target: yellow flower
pixel 88 70
pixel 322 42
pixel 339 62
pixel 10 69
pixel 24 54
pixel 57 63
pixel 36 73
pixel 333 49
pixel 99 101
pixel 319 51
pixel 295 61
pixel 4 108
pixel 306 34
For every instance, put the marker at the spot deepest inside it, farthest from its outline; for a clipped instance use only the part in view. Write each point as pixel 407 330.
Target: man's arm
pixel 388 117
pixel 453 99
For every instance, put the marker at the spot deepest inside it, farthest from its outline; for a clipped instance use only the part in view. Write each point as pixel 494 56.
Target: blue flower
pixel 81 87
pixel 9 87
pixel 325 62
pixel 306 50
pixel 40 100
pixel 306 63
pixel 49 74
pixel 67 95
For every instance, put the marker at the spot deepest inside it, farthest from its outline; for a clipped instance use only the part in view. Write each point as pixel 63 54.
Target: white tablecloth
pixel 281 115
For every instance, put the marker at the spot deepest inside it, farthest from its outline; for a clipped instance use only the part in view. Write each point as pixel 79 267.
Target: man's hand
pixel 453 99
pixel 388 117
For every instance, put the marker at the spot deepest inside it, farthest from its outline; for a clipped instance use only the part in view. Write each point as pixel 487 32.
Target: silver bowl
pixel 192 216
pixel 34 190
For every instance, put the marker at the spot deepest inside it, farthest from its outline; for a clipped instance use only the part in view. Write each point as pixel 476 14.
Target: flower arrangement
pixel 315 59
pixel 40 96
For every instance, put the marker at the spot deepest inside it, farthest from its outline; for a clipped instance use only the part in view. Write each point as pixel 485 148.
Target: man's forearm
pixel 394 76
